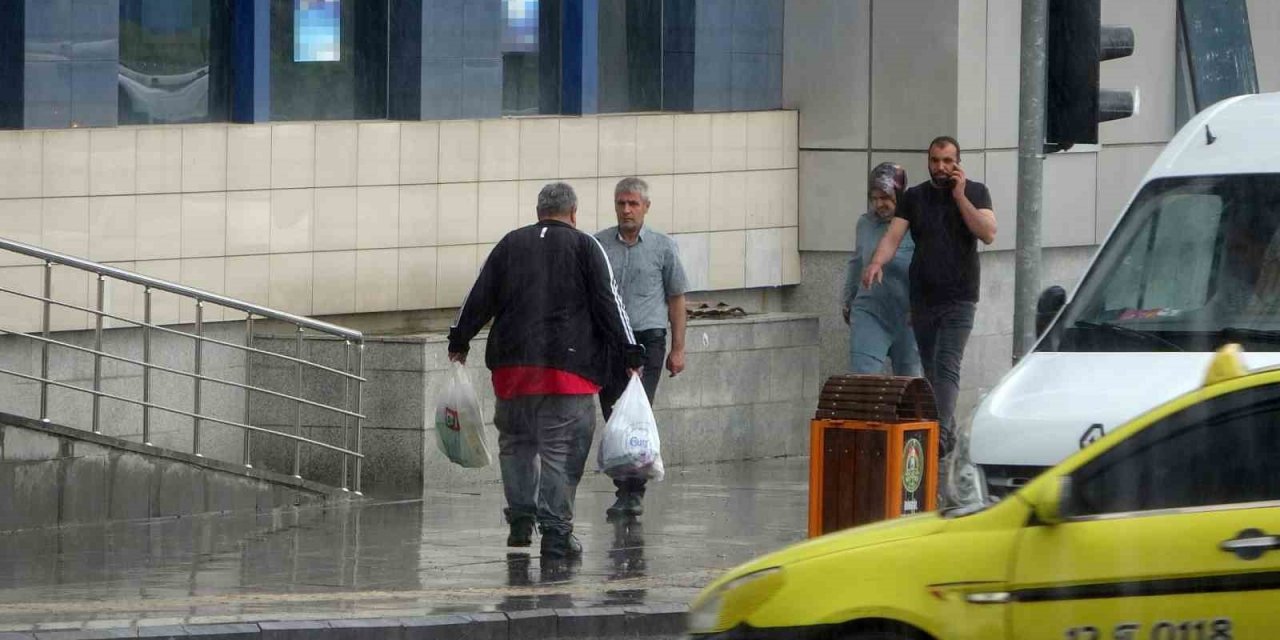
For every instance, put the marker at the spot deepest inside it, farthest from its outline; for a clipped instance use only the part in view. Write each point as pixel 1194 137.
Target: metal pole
pixel 1031 132
pixel 44 348
pixel 97 359
pixel 297 415
pixel 248 393
pixel 346 420
pixel 195 435
pixel 359 421
pixel 146 370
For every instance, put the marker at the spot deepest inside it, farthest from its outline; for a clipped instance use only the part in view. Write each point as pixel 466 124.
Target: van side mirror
pixel 1050 504
pixel 1050 303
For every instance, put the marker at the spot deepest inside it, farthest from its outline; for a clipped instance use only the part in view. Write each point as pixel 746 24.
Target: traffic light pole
pixel 1031 139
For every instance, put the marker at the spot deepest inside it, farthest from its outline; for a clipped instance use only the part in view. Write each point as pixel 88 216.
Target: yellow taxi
pixel 1167 528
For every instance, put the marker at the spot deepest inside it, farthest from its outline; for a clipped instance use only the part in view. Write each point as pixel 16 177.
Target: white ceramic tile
pixel 791 255
pixel 204 225
pixel 22 314
pixel 66 163
pixel 335 219
pixel 113 161
pixel 728 201
pixel 418 215
pixel 763 200
pixel 119 296
pixel 459 150
pixel 692 206
pixel 205 274
pixel 528 207
pixel 456 270
pixel 159 227
pixel 579 147
pixel 70 286
pixel 164 306
pixel 764 139
pixel 692 143
pixel 66 226
pixel 292 218
pixel 293 155
pixel 377 217
pixel 498 202
pixel 21 164
pixel 248 279
pixel 499 149
pixel 790 139
pixel 618 145
pixel 656 144
pixel 458 213
pixel 727 251
pixel 728 141
pixel 417 278
pixel 334 282
pixel 248 222
pixel 377 280
pixel 160 160
pixel 539 148
pixel 336 154
pixel 419 152
pixel 204 158
pixel 790 181
pixel 695 258
pixel 606 212
pixel 21 221
pixel 290 284
pixel 661 214
pixel 764 258
pixel 379 149
pixel 249 157
pixel 113 228
pixel 588 205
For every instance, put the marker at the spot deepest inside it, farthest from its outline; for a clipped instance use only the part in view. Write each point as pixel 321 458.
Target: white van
pixel 1192 264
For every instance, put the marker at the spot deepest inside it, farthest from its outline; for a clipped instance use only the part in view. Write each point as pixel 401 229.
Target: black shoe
pixel 626 506
pixel 561 545
pixel 521 533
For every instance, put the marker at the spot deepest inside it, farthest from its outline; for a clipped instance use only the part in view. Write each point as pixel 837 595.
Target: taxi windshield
pixel 1193 265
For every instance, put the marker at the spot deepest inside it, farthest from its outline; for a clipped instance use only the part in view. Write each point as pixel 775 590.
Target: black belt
pixel 650 334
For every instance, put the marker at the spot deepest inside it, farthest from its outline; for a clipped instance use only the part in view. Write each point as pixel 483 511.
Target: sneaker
pixel 521 533
pixel 561 545
pixel 626 506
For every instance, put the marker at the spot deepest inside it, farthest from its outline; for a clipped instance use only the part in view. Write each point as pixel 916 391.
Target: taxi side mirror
pixel 1050 504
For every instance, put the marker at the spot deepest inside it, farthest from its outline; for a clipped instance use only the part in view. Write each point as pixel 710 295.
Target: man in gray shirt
pixel 646 266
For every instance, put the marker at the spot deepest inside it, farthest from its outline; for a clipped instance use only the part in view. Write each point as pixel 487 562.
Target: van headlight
pixel 727 606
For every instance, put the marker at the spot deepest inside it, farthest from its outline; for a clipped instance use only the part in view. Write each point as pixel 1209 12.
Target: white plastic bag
pixel 630 447
pixel 459 423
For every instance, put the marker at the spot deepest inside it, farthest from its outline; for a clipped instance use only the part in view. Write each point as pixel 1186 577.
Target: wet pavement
pixel 444 553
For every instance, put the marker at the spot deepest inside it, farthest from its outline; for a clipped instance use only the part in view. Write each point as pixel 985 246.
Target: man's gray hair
pixel 556 199
pixel 632 185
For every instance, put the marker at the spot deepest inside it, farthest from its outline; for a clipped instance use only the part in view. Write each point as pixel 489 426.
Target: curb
pixel 641 621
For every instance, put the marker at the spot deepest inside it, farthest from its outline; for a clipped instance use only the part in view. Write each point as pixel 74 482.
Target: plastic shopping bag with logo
pixel 459 423
pixel 630 447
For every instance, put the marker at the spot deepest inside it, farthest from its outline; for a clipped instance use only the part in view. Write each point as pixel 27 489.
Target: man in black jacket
pixel 556 314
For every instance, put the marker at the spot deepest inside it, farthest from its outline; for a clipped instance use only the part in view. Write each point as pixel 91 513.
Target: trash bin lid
pixel 876 399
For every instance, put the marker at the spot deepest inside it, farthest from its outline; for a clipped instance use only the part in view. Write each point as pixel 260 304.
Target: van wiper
pixel 1249 335
pixel 1122 330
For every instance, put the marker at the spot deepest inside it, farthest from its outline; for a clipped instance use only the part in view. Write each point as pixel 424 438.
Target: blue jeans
pixel 543 443
pixel 942 331
pixel 871 342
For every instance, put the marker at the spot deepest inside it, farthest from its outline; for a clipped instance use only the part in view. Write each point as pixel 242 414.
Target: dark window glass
pixel 630 56
pixel 530 57
pixel 354 86
pixel 174 61
pixel 1219 452
pixel 70 52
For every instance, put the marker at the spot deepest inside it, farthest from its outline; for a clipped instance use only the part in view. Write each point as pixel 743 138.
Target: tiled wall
pixel 342 217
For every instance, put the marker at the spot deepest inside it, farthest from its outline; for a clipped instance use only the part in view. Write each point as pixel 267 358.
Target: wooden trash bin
pixel 873 451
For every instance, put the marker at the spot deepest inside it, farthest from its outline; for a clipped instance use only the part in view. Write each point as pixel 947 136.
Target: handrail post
pixel 248 393
pixel 359 400
pixel 297 414
pixel 346 420
pixel 44 347
pixel 195 434
pixel 97 359
pixel 146 367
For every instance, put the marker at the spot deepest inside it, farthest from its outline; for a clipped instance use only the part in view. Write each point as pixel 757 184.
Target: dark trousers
pixel 655 356
pixel 543 442
pixel 942 331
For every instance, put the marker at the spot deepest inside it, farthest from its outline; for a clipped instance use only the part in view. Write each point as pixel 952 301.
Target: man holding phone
pixel 946 215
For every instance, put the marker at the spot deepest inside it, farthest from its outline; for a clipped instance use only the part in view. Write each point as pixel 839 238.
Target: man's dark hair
pixel 944 140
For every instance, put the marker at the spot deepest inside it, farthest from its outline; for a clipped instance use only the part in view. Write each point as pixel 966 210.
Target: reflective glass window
pixel 630 56
pixel 313 80
pixel 174 61
pixel 530 56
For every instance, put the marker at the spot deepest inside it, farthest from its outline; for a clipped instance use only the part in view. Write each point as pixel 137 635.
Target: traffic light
pixel 1077 45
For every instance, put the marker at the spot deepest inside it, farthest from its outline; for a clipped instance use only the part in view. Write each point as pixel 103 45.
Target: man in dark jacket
pixel 556 314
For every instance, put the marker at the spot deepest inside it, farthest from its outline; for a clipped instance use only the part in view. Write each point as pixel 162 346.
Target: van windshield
pixel 1193 265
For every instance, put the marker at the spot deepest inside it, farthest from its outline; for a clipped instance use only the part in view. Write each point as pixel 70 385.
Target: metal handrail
pixel 349 372
pixel 178 289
